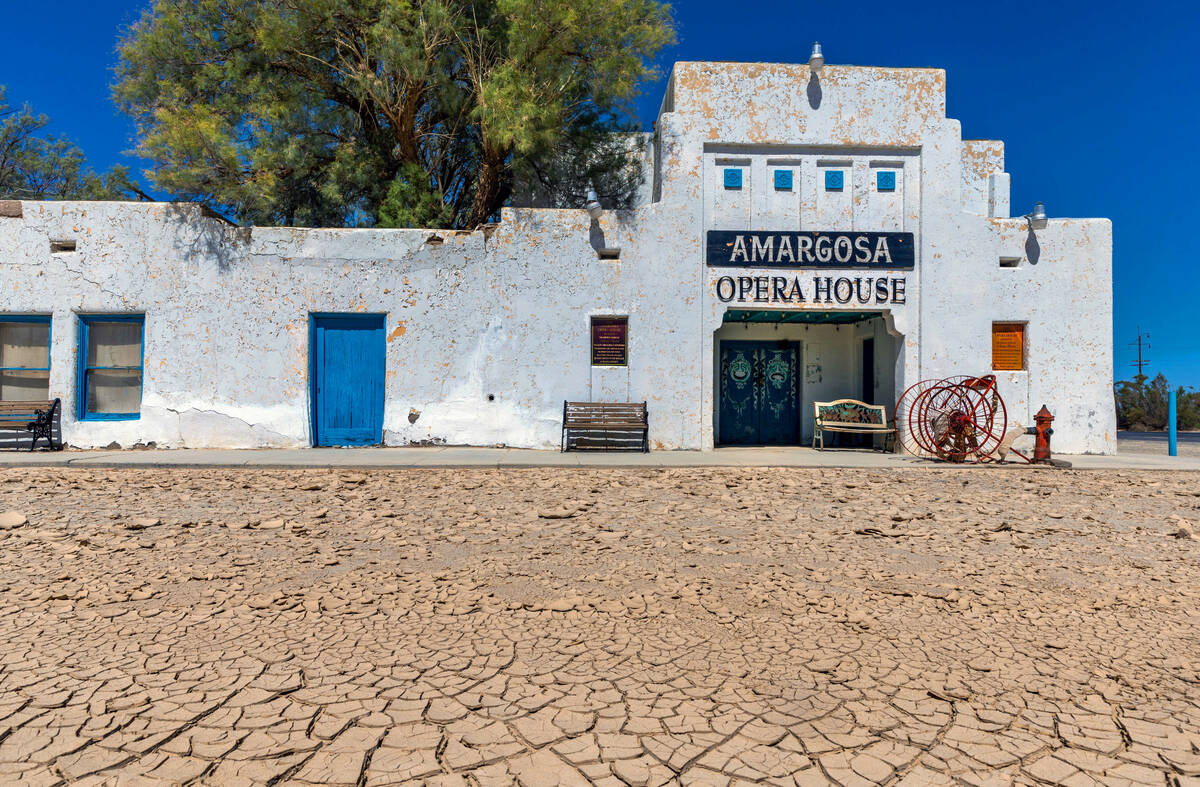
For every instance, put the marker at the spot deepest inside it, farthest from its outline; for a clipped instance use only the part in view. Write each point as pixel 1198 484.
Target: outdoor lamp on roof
pixel 1037 219
pixel 592 206
pixel 816 59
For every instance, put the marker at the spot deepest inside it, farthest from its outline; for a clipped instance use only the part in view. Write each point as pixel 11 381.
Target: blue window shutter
pixel 81 369
pixel 783 180
pixel 733 178
pixel 885 180
pixel 833 180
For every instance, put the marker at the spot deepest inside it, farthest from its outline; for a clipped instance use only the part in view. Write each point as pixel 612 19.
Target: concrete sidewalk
pixel 397 458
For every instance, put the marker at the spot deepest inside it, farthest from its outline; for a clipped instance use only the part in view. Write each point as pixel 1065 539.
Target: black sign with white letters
pixel 759 249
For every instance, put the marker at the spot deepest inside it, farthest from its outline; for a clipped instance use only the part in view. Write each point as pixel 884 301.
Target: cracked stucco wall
pixel 506 312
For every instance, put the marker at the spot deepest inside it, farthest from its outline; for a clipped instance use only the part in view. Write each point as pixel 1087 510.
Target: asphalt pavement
pixel 1159 437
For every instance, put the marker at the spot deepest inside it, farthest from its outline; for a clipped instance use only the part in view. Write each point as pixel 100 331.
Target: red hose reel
pixel 961 419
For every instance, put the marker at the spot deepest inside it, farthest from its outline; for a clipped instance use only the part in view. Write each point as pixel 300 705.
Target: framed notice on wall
pixel 1008 346
pixel 610 341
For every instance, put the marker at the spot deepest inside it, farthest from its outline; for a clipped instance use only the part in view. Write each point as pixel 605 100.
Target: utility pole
pixel 1141 362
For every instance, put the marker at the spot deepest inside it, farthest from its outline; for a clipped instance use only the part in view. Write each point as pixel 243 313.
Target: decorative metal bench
pixel 591 424
pixel 36 417
pixel 851 415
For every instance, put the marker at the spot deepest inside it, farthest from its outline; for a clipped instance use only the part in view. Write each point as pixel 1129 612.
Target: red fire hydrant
pixel 1041 443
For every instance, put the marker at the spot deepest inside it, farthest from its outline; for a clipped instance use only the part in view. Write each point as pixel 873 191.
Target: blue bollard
pixel 1172 437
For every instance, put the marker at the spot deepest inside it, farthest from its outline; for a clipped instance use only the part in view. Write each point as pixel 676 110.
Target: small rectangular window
pixel 1008 346
pixel 834 180
pixel 62 246
pixel 733 178
pixel 1010 262
pixel 24 358
pixel 110 367
pixel 610 341
pixel 783 180
pixel 885 180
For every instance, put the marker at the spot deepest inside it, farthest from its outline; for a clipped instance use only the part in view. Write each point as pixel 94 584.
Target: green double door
pixel 759 397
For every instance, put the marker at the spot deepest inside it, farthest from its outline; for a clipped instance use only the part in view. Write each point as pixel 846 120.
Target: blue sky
pixel 1095 101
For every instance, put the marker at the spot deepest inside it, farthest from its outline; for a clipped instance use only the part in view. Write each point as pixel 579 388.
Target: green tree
pixel 1188 408
pixel 37 166
pixel 397 112
pixel 1142 406
pixel 1146 407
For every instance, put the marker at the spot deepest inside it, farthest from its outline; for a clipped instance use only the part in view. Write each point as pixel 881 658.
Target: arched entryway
pixel 770 366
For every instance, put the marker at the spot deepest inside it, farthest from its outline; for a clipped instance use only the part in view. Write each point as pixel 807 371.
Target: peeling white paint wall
pixel 505 313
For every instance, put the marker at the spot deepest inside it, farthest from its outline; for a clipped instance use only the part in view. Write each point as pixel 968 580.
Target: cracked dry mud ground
pixel 607 626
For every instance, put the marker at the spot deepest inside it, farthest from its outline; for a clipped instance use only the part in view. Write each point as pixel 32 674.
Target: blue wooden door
pixel 738 395
pixel 759 397
pixel 347 378
pixel 779 411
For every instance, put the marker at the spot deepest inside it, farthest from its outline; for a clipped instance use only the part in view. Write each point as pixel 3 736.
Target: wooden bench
pixel 36 417
pixel 851 415
pixel 592 422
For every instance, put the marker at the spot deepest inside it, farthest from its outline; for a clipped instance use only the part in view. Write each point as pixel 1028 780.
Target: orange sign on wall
pixel 1008 346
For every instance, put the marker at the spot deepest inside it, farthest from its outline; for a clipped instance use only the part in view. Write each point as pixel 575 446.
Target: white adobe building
pixel 833 228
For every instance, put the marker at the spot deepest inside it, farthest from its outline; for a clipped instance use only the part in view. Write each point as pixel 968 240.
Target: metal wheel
pixel 959 419
pixel 907 416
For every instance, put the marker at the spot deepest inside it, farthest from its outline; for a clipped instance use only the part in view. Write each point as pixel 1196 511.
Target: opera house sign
pixel 883 251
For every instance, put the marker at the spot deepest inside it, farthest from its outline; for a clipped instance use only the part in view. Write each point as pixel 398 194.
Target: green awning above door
pixel 807 317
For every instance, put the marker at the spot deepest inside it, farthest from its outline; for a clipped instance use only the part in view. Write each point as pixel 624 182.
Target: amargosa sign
pixel 764 249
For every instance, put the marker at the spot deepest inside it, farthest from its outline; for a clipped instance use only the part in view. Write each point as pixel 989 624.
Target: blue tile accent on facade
pixel 86 366
pixel 833 180
pixel 733 178
pixel 885 180
pixel 347 362
pixel 783 180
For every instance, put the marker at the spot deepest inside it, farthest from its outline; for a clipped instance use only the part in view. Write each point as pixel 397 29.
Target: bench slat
pixel 855 428
pixel 604 422
pixel 23 406
pixel 617 409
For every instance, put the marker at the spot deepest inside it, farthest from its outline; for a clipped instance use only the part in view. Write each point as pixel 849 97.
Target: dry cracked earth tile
pixel 614 627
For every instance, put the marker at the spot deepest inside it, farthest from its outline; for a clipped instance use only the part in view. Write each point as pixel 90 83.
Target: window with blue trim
pixel 733 178
pixel 833 180
pixel 24 358
pixel 885 180
pixel 783 180
pixel 110 367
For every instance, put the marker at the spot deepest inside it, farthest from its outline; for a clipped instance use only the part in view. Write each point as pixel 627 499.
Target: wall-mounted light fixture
pixel 1037 219
pixel 595 210
pixel 592 206
pixel 816 59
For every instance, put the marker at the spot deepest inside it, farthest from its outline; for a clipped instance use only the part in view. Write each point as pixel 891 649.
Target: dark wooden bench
pixel 592 425
pixel 36 417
